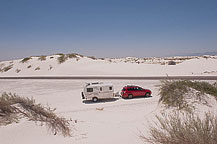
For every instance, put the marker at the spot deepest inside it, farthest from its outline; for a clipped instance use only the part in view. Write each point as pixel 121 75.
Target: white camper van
pixel 97 90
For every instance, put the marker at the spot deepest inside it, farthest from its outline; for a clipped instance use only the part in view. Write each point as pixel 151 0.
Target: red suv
pixel 134 91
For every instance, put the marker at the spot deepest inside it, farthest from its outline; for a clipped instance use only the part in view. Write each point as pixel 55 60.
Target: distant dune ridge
pixel 79 65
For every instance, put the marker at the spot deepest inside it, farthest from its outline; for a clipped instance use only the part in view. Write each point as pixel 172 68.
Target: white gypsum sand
pixel 120 120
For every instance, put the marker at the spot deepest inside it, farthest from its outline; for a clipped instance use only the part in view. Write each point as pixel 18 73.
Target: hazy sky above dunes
pixel 107 28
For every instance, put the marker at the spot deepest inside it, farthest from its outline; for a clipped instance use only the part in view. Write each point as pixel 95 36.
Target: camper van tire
pixel 130 96
pixel 94 99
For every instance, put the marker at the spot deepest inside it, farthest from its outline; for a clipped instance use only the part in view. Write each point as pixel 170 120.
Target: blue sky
pixel 107 28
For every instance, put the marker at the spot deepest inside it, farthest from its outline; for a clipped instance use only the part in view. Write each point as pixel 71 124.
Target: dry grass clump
pixel 38 68
pixel 72 55
pixel 42 58
pixel 25 60
pixel 13 108
pixel 6 68
pixel 176 93
pixel 171 63
pixel 62 58
pixel 29 66
pixel 183 129
pixel 18 70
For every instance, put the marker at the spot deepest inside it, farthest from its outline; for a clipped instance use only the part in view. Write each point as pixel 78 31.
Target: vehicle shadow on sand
pixel 101 100
pixel 140 97
pixel 113 99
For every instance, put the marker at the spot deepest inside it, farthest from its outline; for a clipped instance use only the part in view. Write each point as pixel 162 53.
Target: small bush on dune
pixel 183 129
pixel 25 60
pixel 29 66
pixel 72 55
pixel 42 58
pixel 6 68
pixel 175 93
pixel 38 68
pixel 13 108
pixel 171 63
pixel 62 58
pixel 18 70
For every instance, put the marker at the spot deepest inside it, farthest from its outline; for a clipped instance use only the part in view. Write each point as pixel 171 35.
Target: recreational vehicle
pixel 97 90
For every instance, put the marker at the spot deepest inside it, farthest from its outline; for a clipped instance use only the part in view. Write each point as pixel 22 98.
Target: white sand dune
pixel 85 66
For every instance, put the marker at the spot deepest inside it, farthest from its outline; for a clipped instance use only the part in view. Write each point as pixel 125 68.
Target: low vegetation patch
pixel 176 93
pixel 72 55
pixel 182 128
pixel 18 70
pixel 171 63
pixel 29 66
pixel 25 60
pixel 42 58
pixel 13 108
pixel 6 68
pixel 38 68
pixel 62 58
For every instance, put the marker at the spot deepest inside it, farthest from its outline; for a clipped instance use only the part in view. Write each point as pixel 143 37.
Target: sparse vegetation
pixel 38 68
pixel 92 57
pixel 25 60
pixel 62 58
pixel 50 67
pixel 183 129
pixel 171 63
pixel 29 66
pixel 42 58
pixel 176 93
pixel 18 70
pixel 72 55
pixel 6 68
pixel 13 108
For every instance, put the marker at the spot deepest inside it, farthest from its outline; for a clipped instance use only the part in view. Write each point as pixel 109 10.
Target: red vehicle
pixel 134 91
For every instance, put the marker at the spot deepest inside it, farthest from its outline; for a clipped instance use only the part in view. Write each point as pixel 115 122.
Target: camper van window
pixel 89 89
pixel 110 88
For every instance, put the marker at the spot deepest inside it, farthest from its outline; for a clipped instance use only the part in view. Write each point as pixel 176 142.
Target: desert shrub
pixel 72 55
pixel 38 68
pixel 7 68
pixel 183 129
pixel 92 57
pixel 25 60
pixel 203 87
pixel 50 67
pixel 171 63
pixel 62 58
pixel 29 66
pixel 42 58
pixel 18 70
pixel 175 93
pixel 13 108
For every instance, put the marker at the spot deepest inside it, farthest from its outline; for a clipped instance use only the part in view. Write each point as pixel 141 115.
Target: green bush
pixel 25 60
pixel 6 68
pixel 13 108
pixel 174 93
pixel 72 55
pixel 42 58
pixel 38 68
pixel 62 58
pixel 183 129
